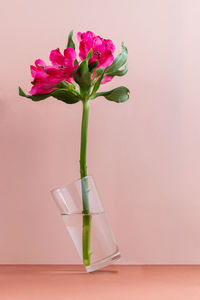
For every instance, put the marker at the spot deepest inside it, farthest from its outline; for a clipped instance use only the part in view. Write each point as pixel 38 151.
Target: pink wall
pixel 143 154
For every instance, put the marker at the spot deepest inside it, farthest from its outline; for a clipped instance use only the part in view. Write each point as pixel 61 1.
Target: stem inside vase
pixel 84 185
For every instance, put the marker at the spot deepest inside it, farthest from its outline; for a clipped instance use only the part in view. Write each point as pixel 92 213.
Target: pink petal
pixel 106 79
pixel 69 79
pixel 51 70
pixel 33 70
pixel 109 45
pixel 82 52
pixel 70 54
pixel 88 34
pixel 97 42
pixel 102 48
pixel 56 75
pixel 86 43
pixel 40 89
pixel 40 62
pixel 106 60
pixel 36 68
pixel 79 36
pixel 84 48
pixel 40 76
pixel 57 58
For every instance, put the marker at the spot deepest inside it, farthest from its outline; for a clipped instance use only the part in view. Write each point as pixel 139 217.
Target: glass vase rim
pixel 71 183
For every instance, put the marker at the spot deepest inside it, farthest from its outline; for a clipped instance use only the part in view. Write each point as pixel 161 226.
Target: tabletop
pixel 59 282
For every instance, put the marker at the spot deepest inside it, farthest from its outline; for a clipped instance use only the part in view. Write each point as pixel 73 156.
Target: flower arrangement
pixel 71 80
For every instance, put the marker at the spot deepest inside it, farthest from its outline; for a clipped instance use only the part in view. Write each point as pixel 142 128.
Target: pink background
pixel 144 154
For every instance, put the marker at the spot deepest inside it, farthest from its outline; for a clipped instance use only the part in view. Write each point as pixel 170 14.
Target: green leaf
pixel 120 94
pixel 65 96
pixel 121 72
pixel 97 85
pixel 119 61
pixel 33 97
pixel 60 94
pixel 42 68
pixel 89 55
pixel 75 62
pixel 21 92
pixel 92 66
pixel 82 76
pixel 64 84
pixel 98 72
pixel 70 42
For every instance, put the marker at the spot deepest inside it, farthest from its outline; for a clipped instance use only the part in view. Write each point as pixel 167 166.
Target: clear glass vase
pixel 87 223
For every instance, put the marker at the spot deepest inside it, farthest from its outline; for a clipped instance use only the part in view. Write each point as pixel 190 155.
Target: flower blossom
pixel 46 78
pixel 102 50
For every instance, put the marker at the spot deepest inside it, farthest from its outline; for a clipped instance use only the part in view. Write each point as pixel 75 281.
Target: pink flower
pixel 103 50
pixel 64 63
pixel 45 78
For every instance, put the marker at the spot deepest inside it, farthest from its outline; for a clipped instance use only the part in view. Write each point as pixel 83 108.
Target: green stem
pixel 84 184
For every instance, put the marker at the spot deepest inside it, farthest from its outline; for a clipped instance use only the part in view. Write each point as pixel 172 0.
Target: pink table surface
pixel 56 282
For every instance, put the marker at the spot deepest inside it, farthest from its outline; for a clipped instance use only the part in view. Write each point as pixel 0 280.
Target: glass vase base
pixel 90 232
pixel 103 263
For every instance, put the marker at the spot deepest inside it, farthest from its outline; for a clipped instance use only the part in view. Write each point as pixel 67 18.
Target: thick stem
pixel 84 184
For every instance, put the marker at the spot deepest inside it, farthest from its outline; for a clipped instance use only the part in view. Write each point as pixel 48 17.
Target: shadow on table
pixel 78 272
pixel 48 270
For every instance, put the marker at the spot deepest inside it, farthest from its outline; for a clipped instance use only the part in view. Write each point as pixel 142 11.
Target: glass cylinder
pixel 87 223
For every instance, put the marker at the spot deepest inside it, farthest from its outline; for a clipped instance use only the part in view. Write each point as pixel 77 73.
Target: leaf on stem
pixel 82 76
pixel 60 94
pixel 70 42
pixel 121 72
pixel 33 97
pixel 92 66
pixel 119 61
pixel 118 95
pixel 97 85
pixel 98 72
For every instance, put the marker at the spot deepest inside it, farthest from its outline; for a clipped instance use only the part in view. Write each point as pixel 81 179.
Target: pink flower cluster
pixel 46 78
pixel 63 66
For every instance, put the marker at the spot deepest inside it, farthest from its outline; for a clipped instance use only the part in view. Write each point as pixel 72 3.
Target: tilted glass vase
pixel 91 232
